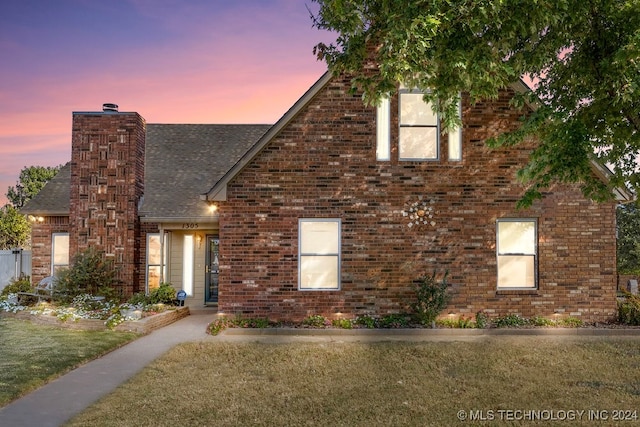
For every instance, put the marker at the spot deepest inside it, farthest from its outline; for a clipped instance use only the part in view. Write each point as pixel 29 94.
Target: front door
pixel 212 270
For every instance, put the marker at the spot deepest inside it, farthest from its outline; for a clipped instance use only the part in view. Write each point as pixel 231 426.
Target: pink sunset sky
pixel 172 61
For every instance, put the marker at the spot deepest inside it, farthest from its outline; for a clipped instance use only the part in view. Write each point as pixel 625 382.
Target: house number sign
pixel 189 225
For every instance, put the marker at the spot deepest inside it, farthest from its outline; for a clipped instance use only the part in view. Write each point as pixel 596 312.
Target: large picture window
pixel 59 252
pixel 517 253
pixel 419 128
pixel 319 254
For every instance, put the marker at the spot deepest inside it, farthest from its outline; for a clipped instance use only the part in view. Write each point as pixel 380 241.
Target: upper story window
pixel 419 128
pixel 454 137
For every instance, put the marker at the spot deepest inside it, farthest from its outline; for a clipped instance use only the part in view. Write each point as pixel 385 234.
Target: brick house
pixel 335 210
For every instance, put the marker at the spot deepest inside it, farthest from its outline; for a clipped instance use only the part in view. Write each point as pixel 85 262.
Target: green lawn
pixel 500 380
pixel 31 355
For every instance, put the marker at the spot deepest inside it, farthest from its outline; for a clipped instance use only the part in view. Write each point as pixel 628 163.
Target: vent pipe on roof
pixel 110 108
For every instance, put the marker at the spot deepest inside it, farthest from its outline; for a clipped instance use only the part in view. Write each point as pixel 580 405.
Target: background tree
pixel 582 55
pixel 628 222
pixel 15 230
pixel 30 182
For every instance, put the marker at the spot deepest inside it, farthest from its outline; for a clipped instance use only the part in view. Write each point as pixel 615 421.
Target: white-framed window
pixel 517 247
pixel 454 139
pixel 59 252
pixel 319 254
pixel 383 134
pixel 188 256
pixel 156 260
pixel 419 128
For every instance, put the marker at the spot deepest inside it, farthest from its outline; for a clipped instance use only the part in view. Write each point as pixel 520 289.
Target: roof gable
pixel 181 162
pixel 53 199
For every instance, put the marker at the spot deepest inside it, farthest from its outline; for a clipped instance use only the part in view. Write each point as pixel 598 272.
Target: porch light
pixel 213 207
pixel 35 218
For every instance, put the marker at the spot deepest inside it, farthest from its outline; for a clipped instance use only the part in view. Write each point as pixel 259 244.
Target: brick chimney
pixel 107 182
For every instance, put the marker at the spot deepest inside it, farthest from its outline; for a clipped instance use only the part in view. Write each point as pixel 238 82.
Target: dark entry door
pixel 212 270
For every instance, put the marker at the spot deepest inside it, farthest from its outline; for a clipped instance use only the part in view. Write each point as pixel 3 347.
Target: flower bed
pixel 88 313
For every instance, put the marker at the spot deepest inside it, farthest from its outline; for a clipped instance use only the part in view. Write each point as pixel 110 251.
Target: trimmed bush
pixel 90 273
pixel 431 298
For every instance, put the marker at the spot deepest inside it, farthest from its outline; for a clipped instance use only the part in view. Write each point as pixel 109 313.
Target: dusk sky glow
pixel 172 61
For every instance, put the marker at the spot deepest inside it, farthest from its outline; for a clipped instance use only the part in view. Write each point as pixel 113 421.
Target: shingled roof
pixel 53 199
pixel 182 161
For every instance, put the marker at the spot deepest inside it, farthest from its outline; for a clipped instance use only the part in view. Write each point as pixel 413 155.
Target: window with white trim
pixel 419 128
pixel 59 252
pixel 319 254
pixel 383 136
pixel 454 139
pixel 156 261
pixel 517 246
pixel 188 256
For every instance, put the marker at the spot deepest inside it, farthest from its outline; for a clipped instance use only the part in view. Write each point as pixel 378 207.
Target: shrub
pixel 571 322
pixel 90 273
pixel 482 320
pixel 315 321
pixel 510 320
pixel 366 321
pixel 541 321
pixel 629 309
pixel 251 323
pixel 219 325
pixel 22 284
pixel 342 323
pixel 431 298
pixel 394 321
pixel 139 298
pixel 164 294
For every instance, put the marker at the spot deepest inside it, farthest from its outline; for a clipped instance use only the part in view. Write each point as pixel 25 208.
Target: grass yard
pixel 31 355
pixel 502 380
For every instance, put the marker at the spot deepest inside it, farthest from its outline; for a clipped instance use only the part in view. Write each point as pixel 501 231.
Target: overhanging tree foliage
pixel 582 55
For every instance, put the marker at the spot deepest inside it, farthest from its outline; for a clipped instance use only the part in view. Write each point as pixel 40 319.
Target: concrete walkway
pixel 58 401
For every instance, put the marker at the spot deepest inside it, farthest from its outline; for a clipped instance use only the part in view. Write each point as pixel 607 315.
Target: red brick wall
pixel 323 165
pixel 41 241
pixel 107 181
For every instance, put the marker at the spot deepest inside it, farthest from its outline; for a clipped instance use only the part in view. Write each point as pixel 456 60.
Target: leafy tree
pixel 628 222
pixel 31 181
pixel 14 228
pixel 583 57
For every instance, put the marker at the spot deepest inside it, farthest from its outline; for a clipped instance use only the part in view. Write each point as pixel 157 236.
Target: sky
pixel 172 61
